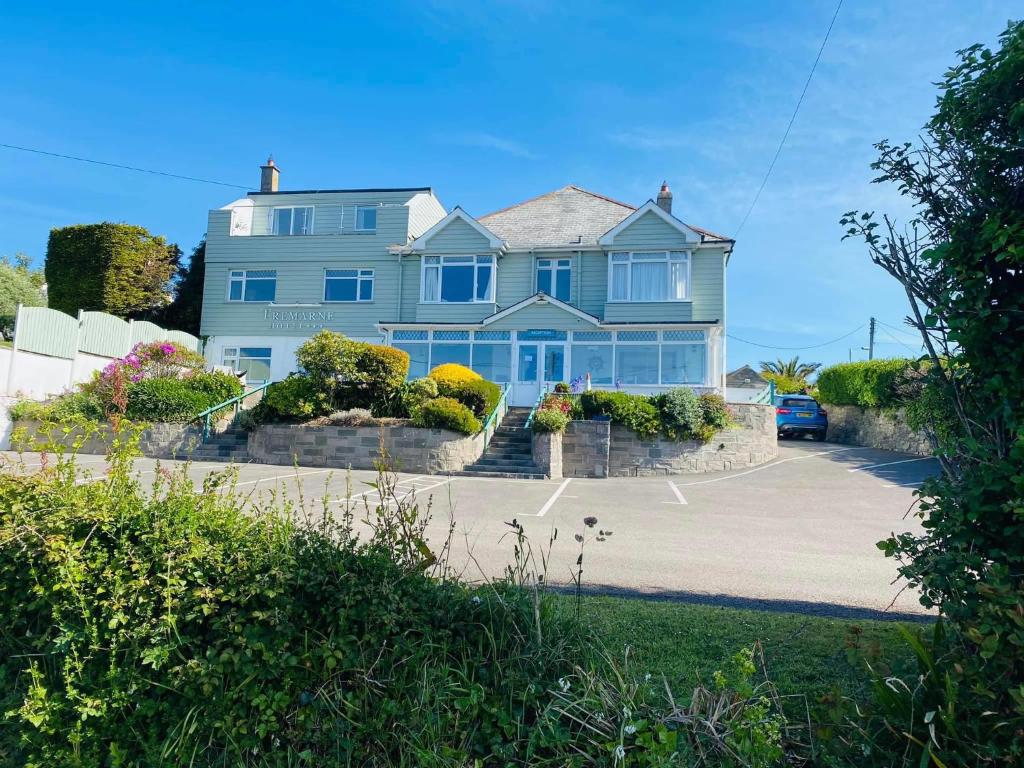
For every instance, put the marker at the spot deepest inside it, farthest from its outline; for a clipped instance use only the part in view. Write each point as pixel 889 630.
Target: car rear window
pixel 792 402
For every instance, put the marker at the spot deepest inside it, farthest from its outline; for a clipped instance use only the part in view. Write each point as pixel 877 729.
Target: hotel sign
pixel 297 319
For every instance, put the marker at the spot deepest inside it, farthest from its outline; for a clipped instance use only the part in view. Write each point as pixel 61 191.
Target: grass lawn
pixel 6 344
pixel 803 654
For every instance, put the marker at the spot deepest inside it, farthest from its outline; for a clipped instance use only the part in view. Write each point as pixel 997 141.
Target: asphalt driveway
pixel 796 534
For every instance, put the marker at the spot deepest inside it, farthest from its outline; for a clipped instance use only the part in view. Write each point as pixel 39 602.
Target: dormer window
pixel 366 218
pixel 554 277
pixel 648 276
pixel 457 279
pixel 293 221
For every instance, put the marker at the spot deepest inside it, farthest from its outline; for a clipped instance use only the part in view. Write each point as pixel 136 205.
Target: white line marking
pixel 773 464
pixel 97 460
pixel 677 492
pixel 285 477
pixel 554 497
pixel 890 463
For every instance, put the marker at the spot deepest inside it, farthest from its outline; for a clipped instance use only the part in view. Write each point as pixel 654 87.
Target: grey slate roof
pixel 570 216
pixel 745 378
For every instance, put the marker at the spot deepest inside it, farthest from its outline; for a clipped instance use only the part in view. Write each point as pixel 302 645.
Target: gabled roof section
pixel 691 235
pixel 493 240
pixel 745 377
pixel 541 297
pixel 570 217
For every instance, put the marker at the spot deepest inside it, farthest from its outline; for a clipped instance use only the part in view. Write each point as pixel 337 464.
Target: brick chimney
pixel 270 173
pixel 665 198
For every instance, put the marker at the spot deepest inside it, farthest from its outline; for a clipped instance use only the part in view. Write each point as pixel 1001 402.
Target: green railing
pixel 767 395
pixel 497 413
pixel 536 405
pixel 207 415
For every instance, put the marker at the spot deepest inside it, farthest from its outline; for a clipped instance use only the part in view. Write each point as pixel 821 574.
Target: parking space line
pixel 554 497
pixel 678 493
pixel 284 477
pixel 774 464
pixel 890 463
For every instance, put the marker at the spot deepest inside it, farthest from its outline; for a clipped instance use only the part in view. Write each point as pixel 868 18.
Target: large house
pixel 567 286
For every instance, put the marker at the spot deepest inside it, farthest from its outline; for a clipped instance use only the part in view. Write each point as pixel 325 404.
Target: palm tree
pixel 792 368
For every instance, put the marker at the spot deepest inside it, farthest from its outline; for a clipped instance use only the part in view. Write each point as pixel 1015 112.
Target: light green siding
pixel 515 278
pixel 593 282
pixel 707 275
pixel 649 232
pixel 453 313
pixel 458 237
pixel 649 312
pixel 541 316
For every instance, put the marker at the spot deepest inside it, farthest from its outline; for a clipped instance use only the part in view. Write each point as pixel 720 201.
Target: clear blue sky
pixel 492 103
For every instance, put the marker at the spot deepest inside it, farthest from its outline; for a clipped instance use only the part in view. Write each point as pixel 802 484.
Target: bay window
pixel 293 221
pixel 457 279
pixel 636 361
pixel 637 276
pixel 554 277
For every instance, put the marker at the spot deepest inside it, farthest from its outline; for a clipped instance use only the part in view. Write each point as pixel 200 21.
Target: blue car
pixel 799 415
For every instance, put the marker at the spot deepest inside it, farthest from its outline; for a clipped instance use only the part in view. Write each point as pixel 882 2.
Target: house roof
pixel 745 378
pixel 570 216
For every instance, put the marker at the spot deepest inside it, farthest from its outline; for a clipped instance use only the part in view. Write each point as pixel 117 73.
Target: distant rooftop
pixel 329 191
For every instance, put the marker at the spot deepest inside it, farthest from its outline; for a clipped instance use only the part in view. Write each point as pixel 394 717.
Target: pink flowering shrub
pixel 153 360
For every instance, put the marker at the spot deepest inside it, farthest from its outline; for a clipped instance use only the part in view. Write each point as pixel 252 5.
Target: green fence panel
pixel 186 340
pixel 46 332
pixel 145 332
pixel 103 334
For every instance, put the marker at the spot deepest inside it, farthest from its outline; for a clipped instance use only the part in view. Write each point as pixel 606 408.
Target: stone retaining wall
pixel 159 441
pixel 411 449
pixel 602 449
pixel 875 428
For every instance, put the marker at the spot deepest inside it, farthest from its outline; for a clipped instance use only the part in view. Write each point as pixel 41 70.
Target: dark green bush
pixel 869 383
pixel 171 627
pixel 480 396
pixel 716 414
pixel 447 413
pixel 216 386
pixel 682 417
pixel 633 411
pixel 296 398
pixel 550 420
pixel 164 400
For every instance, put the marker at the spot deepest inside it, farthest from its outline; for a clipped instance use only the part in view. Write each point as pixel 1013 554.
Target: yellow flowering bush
pixel 453 374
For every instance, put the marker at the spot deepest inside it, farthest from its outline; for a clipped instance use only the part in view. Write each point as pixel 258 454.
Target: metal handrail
pixel 536 405
pixel 503 400
pixel 208 413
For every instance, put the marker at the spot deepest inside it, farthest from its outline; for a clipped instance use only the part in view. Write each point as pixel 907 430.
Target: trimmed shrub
pixel 216 386
pixel 550 420
pixel 164 400
pixel 633 411
pixel 681 414
pixel 416 392
pixel 447 413
pixel 715 411
pixel 479 395
pixel 325 357
pixel 378 373
pixel 453 374
pixel 296 398
pixel 869 383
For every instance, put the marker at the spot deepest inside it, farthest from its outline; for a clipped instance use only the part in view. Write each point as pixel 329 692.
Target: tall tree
pixel 792 368
pixel 961 264
pixel 19 284
pixel 117 268
pixel 185 312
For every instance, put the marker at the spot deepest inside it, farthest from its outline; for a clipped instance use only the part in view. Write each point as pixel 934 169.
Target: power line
pixel 792 119
pixel 791 349
pixel 122 167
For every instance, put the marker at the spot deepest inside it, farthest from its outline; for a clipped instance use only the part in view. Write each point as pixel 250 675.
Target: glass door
pixel 554 364
pixel 526 386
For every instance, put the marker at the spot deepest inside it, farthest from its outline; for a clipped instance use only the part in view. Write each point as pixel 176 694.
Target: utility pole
pixel 871 340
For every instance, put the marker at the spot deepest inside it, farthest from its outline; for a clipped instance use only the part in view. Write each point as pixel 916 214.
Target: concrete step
pixel 490 465
pixel 469 472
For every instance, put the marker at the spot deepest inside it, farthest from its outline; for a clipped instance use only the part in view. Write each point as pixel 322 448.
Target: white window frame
pixel 241 276
pixel 355 223
pixel 687 258
pixel 291 225
pixel 553 267
pixel 360 276
pixel 439 266
pixel 230 357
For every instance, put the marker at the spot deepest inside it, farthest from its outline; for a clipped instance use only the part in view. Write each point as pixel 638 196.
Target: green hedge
pixel 447 413
pixel 634 411
pixel 480 396
pixel 869 384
